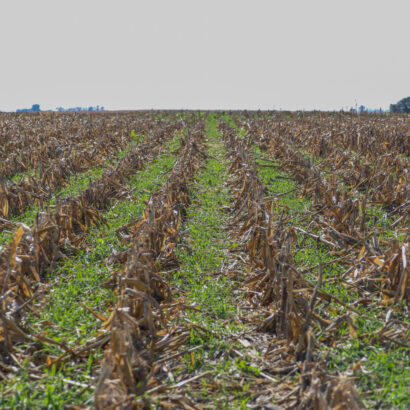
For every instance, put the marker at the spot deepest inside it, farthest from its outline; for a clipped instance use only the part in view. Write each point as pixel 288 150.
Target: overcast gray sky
pixel 121 54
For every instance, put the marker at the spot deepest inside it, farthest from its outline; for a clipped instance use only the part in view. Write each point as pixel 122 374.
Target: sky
pixel 189 54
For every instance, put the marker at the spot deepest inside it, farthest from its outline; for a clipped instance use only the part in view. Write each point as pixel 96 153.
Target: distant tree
pixel 403 106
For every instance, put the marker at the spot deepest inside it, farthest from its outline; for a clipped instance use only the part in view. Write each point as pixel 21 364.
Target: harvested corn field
pixel 161 259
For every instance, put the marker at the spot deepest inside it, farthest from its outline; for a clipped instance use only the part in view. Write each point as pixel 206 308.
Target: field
pixel 162 259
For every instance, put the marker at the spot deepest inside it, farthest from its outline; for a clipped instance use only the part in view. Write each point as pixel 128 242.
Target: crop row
pixel 361 271
pixel 341 219
pixel 60 231
pixel 137 323
pixel 41 182
pixel 278 284
pixel 45 140
pixel 377 164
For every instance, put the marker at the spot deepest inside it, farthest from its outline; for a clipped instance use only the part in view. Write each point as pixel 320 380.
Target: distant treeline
pixel 96 108
pixel 403 106
pixel 36 108
pixel 362 108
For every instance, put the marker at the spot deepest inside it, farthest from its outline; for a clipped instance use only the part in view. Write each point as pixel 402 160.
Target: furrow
pixel 279 286
pixel 137 325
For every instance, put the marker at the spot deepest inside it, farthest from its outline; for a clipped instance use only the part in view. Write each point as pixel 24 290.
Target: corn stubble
pixel 60 231
pixel 58 147
pixel 268 242
pixel 317 157
pixel 362 163
pixel 139 332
